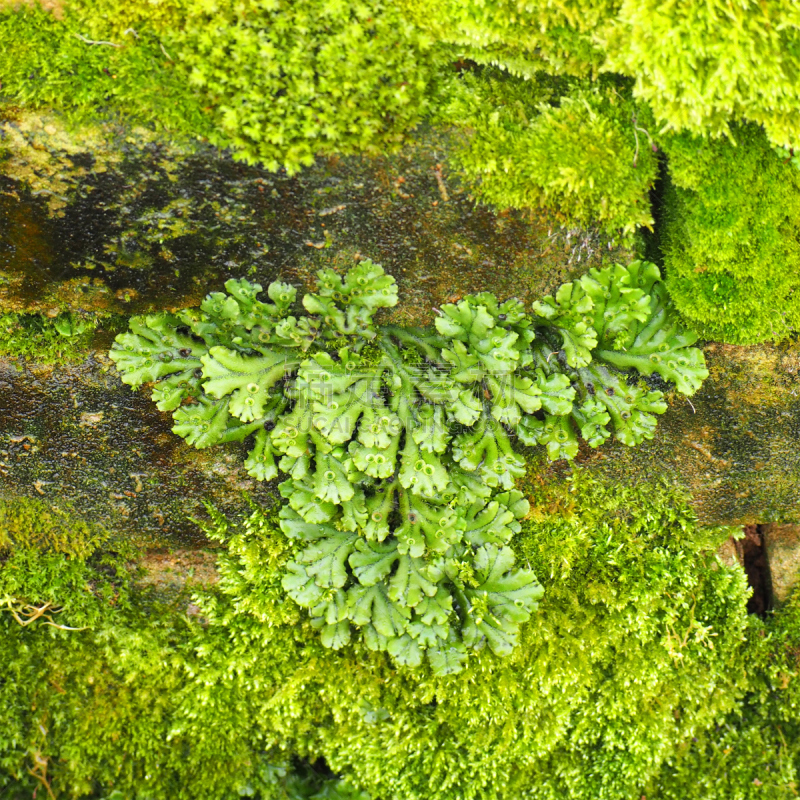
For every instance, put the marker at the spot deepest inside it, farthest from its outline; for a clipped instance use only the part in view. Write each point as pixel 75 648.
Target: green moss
pixel 31 523
pixel 559 38
pixel 575 147
pixel 703 67
pixel 732 237
pixel 44 61
pixel 755 751
pixel 97 682
pixel 639 639
pixel 642 645
pixel 685 62
pixel 310 78
pixel 323 79
pixel 61 339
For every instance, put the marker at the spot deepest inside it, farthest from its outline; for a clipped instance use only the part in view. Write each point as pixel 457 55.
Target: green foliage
pixel 45 62
pixel 290 80
pixel 732 237
pixel 45 588
pixel 556 37
pixel 704 65
pixel 755 753
pixel 62 338
pixel 397 442
pixel 276 82
pixel 618 318
pixel 279 83
pixel 641 644
pixel 106 19
pixel 789 156
pixel 97 682
pixel 396 525
pixel 699 66
pixel 579 151
pixel 33 524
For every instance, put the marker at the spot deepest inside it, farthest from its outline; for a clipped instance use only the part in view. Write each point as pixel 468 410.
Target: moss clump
pixel 64 338
pixel 97 684
pixel 567 145
pixel 309 78
pixel 33 524
pixel 46 61
pixel 755 751
pixel 732 237
pixel 642 645
pixel 683 60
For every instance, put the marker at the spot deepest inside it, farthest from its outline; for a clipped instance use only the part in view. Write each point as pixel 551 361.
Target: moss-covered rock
pixel 215 694
pixel 75 442
pixel 733 444
pixel 111 221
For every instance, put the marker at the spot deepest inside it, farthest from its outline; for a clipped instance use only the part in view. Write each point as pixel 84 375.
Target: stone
pixel 783 554
pixel 733 447
pixel 108 224
pixel 118 223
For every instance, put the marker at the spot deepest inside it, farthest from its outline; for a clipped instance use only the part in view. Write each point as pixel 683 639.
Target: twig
pixel 32 613
pixel 90 41
pixel 645 132
pixel 40 773
pixel 164 51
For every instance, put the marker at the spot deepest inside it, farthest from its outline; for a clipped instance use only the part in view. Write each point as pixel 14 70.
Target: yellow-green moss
pixel 61 339
pixel 31 523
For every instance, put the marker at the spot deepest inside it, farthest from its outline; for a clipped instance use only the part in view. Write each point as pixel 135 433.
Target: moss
pixel 557 38
pixel 96 685
pixel 576 147
pixel 732 237
pixel 31 523
pixel 625 572
pixel 62 339
pixel 639 672
pixel 336 79
pixel 755 751
pixel 46 61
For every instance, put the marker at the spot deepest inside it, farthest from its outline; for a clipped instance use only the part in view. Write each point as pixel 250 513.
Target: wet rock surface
pixel 119 223
pixel 126 224
pixel 735 445
pixel 78 435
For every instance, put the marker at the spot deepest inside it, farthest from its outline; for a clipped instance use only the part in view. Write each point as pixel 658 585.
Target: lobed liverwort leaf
pixel 398 444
